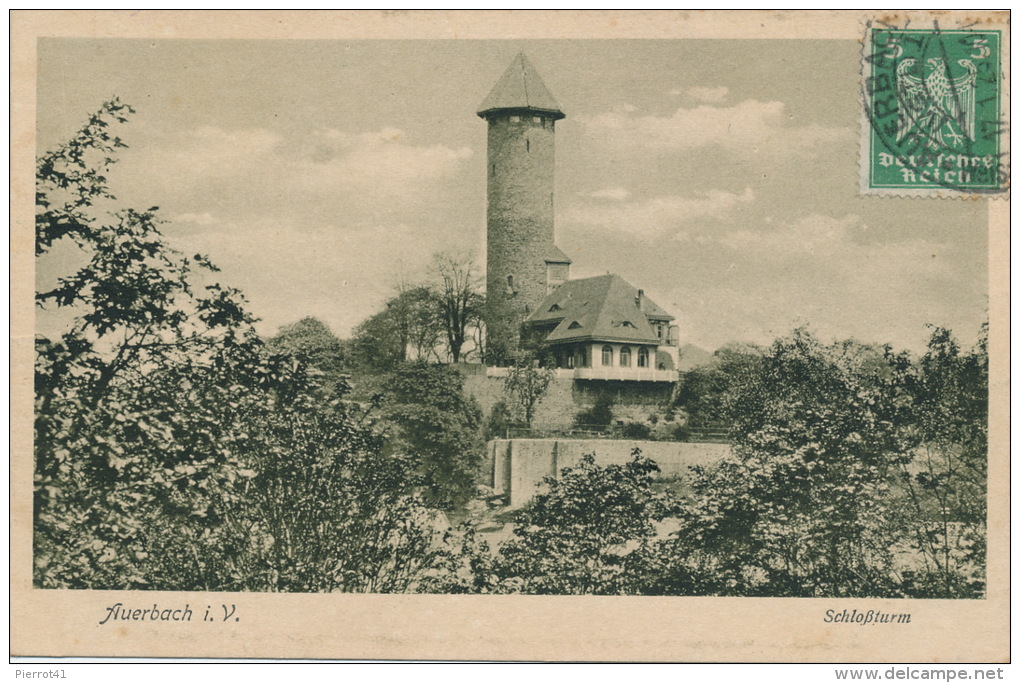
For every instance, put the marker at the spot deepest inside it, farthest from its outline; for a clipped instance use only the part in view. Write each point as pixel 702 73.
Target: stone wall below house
pixel 565 398
pixel 519 465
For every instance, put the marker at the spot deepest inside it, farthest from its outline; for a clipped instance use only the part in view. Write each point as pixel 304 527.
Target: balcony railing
pixel 606 374
pixel 626 374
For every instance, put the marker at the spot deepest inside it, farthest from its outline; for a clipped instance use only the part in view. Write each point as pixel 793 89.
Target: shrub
pixel 636 430
pixel 600 415
pixel 438 426
pixel 500 419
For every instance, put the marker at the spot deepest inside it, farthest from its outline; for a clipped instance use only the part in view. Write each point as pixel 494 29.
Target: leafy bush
pixel 313 344
pixel 681 432
pixel 500 419
pixel 705 392
pixel 812 502
pixel 591 532
pixel 600 415
pixel 636 430
pixel 438 426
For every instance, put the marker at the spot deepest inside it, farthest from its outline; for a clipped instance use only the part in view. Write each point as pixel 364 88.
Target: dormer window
pixel 574 325
pixel 626 323
pixel 554 307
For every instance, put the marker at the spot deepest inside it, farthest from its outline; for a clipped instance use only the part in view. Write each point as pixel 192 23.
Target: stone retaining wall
pixel 519 465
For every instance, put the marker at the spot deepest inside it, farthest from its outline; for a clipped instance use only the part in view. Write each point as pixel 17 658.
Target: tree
pixel 410 322
pixel 325 509
pixel 803 508
pixel 378 343
pixel 172 449
pixel 943 487
pixel 525 385
pixel 110 441
pixel 591 532
pixel 438 426
pixel 417 315
pixel 313 344
pixel 460 304
pixel 705 391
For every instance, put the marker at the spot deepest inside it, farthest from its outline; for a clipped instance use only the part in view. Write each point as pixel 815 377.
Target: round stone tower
pixel 523 263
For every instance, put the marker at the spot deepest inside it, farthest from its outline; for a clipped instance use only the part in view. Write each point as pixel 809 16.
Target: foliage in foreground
pixel 589 532
pixel 856 473
pixel 172 449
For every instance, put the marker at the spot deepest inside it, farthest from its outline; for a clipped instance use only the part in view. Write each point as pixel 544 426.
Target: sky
pixel 719 176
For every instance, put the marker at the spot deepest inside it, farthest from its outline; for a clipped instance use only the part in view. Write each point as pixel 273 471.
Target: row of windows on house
pixel 579 358
pixel 625 356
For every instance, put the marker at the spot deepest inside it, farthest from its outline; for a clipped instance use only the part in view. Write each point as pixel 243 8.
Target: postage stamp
pixel 934 121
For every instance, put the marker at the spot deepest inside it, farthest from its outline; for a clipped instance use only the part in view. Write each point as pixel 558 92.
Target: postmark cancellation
pixel 935 112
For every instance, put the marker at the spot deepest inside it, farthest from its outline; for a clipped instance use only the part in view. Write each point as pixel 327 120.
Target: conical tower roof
pixel 520 89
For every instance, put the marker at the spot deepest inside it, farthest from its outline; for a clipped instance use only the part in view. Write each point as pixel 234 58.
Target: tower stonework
pixel 523 262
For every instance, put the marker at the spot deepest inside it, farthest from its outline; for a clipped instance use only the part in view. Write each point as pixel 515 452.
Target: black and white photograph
pixel 490 321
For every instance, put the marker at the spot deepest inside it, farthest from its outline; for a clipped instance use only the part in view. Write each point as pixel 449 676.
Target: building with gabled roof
pixel 601 327
pixel 606 325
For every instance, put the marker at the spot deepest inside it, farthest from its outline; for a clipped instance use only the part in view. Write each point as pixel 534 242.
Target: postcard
pixel 510 335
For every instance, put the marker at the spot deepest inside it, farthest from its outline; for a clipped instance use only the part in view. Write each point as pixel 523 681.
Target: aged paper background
pixel 64 623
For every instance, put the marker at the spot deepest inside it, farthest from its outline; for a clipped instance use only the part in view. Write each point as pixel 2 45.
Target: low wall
pixel 519 465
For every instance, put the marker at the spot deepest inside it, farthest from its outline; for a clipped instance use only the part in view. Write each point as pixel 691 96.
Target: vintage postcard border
pixel 66 623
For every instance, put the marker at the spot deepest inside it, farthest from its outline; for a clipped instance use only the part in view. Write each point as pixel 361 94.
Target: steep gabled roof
pixel 602 308
pixel 555 255
pixel 520 88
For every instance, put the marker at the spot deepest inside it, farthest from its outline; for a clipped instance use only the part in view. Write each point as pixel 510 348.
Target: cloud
pixel 322 222
pixel 381 155
pixel 286 270
pixel 254 170
pixel 209 152
pixel 748 126
pixel 708 95
pixel 844 244
pixel 813 235
pixel 656 217
pixel 831 272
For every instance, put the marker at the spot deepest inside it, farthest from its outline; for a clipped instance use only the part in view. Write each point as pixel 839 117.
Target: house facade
pixel 604 328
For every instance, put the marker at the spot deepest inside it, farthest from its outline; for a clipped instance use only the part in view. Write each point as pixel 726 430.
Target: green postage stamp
pixel 934 122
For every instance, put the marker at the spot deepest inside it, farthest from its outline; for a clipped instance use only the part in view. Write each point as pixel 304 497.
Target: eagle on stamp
pixel 936 106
